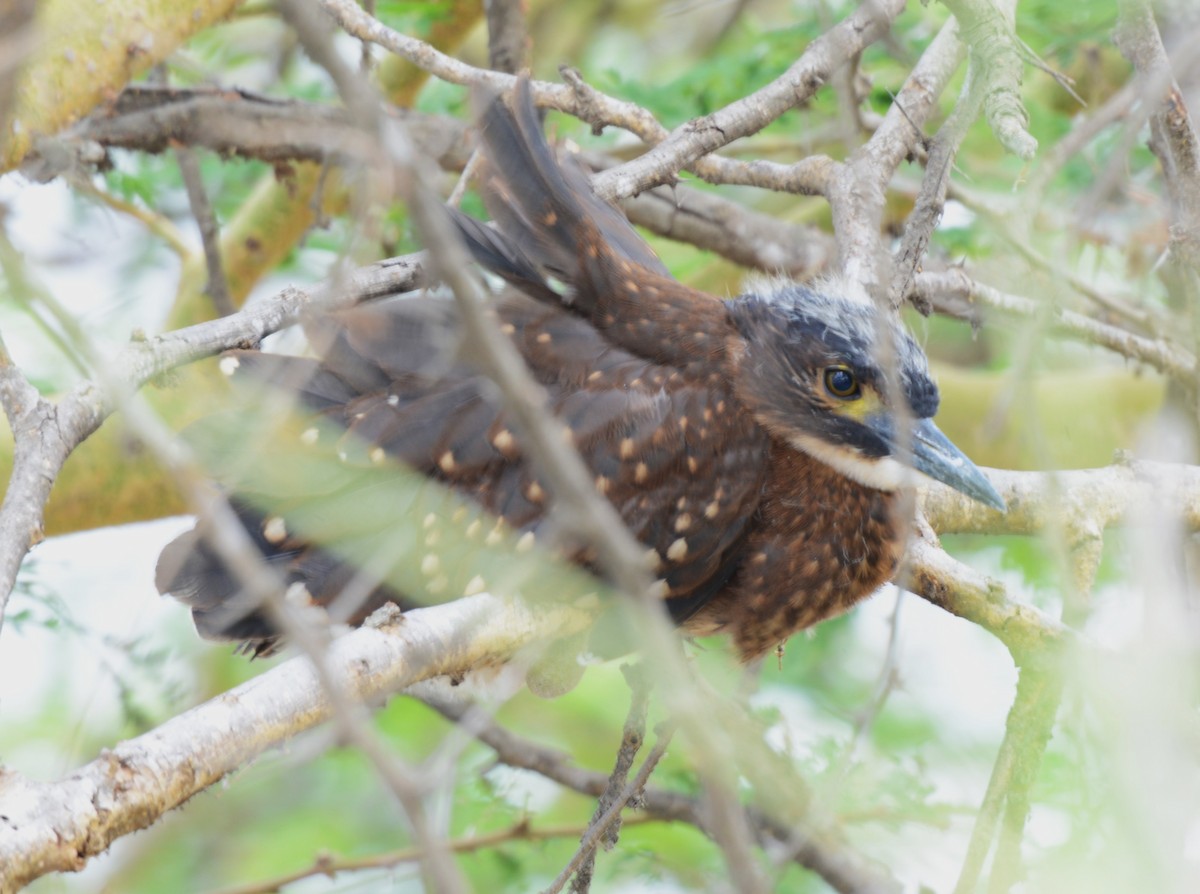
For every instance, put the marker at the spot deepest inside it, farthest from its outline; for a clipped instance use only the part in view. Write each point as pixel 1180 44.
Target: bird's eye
pixel 842 383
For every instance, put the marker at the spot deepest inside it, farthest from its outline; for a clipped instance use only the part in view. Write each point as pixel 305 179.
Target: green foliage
pixel 411 16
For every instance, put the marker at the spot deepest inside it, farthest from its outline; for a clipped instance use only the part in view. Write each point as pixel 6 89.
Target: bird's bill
pixel 936 456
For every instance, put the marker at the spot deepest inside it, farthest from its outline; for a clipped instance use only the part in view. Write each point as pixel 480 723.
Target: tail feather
pixel 190 571
pixel 551 226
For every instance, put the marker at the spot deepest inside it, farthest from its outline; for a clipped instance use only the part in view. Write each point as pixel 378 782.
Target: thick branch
pixel 55 827
pixel 152 119
pixel 1083 500
pixel 86 37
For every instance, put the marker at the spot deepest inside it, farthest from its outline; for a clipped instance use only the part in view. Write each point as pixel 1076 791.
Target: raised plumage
pixel 750 443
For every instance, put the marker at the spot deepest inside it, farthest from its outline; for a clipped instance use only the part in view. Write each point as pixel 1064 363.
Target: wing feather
pixel 683 469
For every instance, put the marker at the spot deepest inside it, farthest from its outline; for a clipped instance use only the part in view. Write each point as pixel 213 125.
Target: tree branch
pixel 988 27
pixel 50 92
pixel 46 433
pixel 56 827
pixel 949 290
pixel 686 145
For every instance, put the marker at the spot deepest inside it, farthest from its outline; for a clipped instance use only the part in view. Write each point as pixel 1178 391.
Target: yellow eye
pixel 842 383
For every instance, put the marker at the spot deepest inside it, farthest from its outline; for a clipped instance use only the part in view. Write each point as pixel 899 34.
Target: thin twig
pixel 938 288
pixel 217 287
pixel 834 860
pixel 328 866
pixel 600 826
pixel 1026 735
pixel 632 737
pixel 931 200
pixel 686 146
pixel 160 225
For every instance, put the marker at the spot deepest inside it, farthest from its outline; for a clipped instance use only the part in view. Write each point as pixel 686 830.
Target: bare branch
pixel 931 200
pixel 1173 135
pixel 1085 500
pixel 1084 130
pixel 1026 735
pixel 839 864
pixel 217 287
pixel 681 148
pixel 327 867
pixel 856 192
pixel 243 124
pixel 604 828
pixel 945 290
pixel 16 42
pixel 56 827
pixel 508 42
pixel 152 119
pixel 987 26
pixel 35 446
pixel 742 235
pixel 1028 632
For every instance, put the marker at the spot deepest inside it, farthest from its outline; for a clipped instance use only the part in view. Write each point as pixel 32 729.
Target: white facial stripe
pixel 882 474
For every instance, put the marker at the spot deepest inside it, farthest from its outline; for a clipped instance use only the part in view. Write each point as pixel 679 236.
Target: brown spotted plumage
pixel 749 444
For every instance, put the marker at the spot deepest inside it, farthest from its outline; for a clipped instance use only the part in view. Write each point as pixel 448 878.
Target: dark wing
pixel 676 456
pixel 682 465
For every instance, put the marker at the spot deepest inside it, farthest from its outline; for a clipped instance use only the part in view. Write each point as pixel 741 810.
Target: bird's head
pixel 813 371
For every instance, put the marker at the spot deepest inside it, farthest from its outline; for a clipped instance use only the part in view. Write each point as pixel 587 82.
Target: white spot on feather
pixel 274 530
pixel 297 594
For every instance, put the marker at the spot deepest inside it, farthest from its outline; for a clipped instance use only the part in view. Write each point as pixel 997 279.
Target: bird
pixel 758 447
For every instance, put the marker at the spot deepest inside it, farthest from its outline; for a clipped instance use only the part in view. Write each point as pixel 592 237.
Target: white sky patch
pixel 91 277
pixel 950 671
pixel 956 216
pixel 106 580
